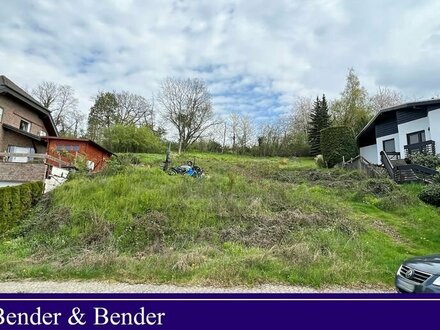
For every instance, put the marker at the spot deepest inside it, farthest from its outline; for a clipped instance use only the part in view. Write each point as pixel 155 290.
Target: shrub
pixel 337 143
pixel 427 160
pixel 378 187
pixel 15 206
pixel 319 161
pixel 117 164
pixel 395 200
pixel 146 232
pixel 15 201
pixel 299 145
pixel 80 163
pixel 25 196
pixel 431 194
pixel 128 159
pixel 37 189
pixel 129 138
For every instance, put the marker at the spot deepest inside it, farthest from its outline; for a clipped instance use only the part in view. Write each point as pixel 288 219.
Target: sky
pixel 256 56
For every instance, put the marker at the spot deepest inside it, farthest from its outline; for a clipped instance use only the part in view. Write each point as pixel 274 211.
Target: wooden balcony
pixel 427 147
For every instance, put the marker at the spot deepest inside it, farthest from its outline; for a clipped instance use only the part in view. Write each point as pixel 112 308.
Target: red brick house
pixel 68 149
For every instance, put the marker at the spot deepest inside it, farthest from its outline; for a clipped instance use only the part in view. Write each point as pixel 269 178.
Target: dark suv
pixel 420 274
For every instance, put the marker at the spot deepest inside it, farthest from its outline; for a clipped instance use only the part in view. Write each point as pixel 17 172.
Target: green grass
pixel 249 221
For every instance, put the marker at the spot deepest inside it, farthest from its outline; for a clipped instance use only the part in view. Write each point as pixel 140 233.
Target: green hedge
pixel 15 201
pixel 336 143
pixel 431 194
pixel 427 160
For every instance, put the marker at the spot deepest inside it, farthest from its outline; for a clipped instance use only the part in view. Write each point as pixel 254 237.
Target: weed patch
pixel 146 233
pixel 250 220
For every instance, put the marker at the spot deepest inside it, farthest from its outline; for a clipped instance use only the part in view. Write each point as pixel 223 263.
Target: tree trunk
pixel 180 146
pixel 224 140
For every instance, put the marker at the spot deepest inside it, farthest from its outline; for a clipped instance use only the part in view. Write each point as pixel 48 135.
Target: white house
pixel 401 130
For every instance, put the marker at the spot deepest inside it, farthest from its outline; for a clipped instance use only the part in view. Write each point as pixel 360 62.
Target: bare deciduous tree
pixel 270 139
pixel 245 131
pixel 234 120
pixel 66 113
pixel 133 110
pixel 300 118
pixel 61 101
pixel 385 98
pixel 187 106
pixel 46 93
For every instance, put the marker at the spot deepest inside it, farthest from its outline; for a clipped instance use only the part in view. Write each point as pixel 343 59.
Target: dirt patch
pixel 332 178
pixel 268 230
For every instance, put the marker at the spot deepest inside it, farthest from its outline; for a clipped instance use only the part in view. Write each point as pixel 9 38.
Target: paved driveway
pixel 114 287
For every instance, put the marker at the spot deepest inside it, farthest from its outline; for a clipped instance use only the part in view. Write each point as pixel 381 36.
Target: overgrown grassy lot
pixel 249 221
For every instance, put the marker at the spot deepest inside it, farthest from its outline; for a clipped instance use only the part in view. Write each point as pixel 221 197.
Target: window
pixel 67 147
pixel 389 146
pixel 25 125
pixel 1 113
pixel 416 137
pixel 20 150
pixel 42 133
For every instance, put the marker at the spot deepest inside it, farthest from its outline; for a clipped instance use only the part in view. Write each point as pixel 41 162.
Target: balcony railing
pixel 393 155
pixel 9 157
pixel 426 147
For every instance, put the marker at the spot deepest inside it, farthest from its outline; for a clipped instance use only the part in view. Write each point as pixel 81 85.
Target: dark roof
pixel 404 106
pixel 7 86
pixel 9 83
pixel 76 139
pixel 20 131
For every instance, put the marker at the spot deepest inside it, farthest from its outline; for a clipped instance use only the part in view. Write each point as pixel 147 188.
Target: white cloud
pixel 256 56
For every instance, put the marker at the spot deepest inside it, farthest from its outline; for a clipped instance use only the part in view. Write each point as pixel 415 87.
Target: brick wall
pixel 13 112
pixel 23 172
pixel 15 139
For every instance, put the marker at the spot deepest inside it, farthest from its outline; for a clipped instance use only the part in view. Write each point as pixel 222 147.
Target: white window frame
pixel 1 113
pixel 29 125
pixel 389 140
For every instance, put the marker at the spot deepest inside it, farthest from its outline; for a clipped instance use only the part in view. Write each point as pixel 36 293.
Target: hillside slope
pixel 251 220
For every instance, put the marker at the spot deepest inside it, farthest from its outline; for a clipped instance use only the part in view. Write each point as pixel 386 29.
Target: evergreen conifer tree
pixel 319 119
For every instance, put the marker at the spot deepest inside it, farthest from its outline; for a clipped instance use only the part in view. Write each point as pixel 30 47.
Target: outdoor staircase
pixel 407 175
pixel 404 174
pixel 401 172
